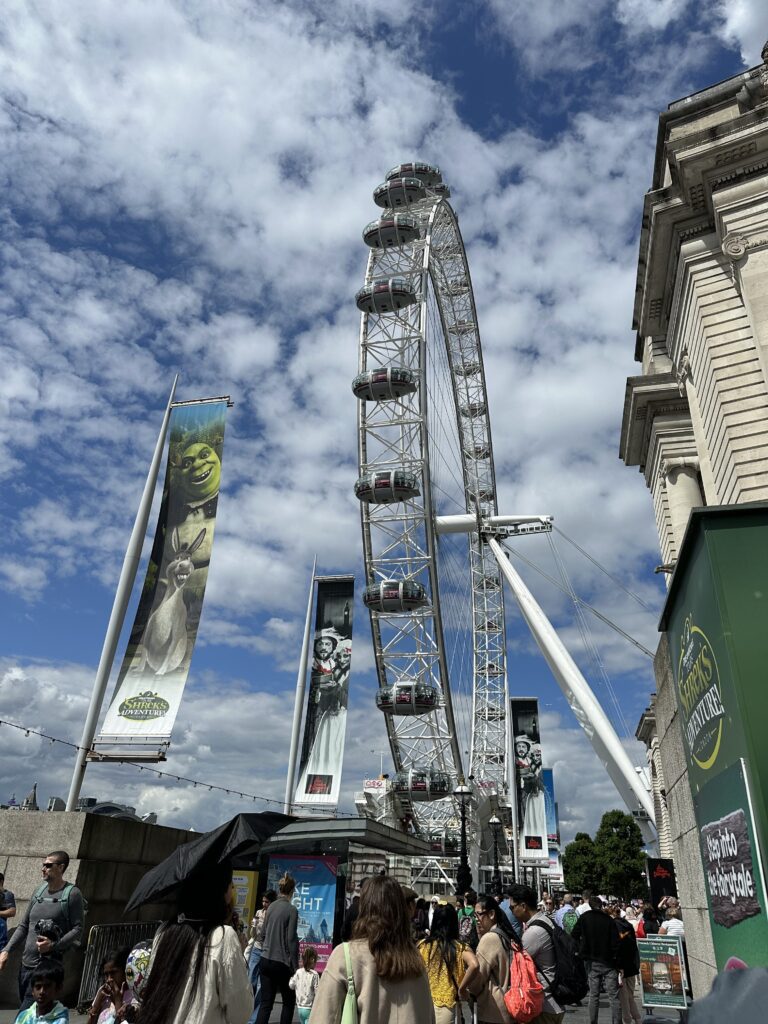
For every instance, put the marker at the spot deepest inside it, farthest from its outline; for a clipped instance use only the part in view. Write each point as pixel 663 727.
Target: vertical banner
pixel 531 798
pixel 325 724
pixel 314 898
pixel 154 668
pixel 662 972
pixel 661 878
pixel 553 832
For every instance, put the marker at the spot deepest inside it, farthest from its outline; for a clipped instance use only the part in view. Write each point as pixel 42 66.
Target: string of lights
pixel 196 783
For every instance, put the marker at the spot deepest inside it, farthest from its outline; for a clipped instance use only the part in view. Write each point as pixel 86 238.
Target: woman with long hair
pixel 279 953
pixel 388 974
pixel 197 972
pixel 492 977
pixel 446 960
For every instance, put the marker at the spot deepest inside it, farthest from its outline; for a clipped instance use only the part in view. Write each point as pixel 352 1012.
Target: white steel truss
pixel 441 432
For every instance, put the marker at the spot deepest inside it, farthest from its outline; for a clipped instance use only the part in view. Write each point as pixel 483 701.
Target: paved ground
pixel 575 1015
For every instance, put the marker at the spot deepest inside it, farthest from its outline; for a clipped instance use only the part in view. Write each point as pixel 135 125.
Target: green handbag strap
pixel 348 960
pixel 349 1010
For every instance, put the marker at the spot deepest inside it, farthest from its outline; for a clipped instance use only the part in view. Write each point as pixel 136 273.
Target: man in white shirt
pixel 584 906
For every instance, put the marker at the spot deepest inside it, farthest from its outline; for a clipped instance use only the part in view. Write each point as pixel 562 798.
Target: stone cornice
pixel 701 164
pixel 646 398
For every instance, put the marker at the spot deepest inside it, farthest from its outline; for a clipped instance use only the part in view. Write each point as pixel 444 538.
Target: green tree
pixel 580 866
pixel 619 856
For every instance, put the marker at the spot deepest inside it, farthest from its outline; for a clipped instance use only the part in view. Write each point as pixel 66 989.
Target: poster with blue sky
pixel 314 898
pixel 202 174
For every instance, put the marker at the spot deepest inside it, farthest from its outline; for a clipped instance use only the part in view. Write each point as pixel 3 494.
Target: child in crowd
pixel 113 999
pixel 304 983
pixel 46 984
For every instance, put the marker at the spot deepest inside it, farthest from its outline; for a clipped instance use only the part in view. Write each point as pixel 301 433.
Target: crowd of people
pixel 401 958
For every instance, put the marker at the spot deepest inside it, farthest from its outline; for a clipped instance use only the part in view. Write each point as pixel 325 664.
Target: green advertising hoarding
pixel 716 619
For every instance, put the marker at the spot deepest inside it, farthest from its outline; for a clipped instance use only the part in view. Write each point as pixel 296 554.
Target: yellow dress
pixel 440 985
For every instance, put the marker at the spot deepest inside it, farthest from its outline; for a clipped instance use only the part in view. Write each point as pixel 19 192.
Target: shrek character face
pixel 200 472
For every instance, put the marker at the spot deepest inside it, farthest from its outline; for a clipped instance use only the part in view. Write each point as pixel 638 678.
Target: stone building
pixel 695 419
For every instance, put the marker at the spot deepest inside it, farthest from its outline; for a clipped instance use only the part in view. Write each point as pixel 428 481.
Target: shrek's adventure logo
pixel 698 681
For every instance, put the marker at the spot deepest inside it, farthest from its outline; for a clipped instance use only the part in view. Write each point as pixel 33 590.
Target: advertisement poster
pixel 246 884
pixel 325 724
pixel 732 872
pixel 662 972
pixel 661 878
pixel 154 668
pixel 314 898
pixel 553 832
pixel 531 795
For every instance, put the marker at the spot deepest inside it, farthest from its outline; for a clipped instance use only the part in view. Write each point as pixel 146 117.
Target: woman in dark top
pixel 628 962
pixel 279 953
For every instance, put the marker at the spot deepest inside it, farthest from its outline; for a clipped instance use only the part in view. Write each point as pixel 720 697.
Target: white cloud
pixel 202 177
pixel 745 24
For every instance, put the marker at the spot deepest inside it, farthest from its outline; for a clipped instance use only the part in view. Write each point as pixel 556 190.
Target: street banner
pixel 714 618
pixel 553 832
pixel 662 972
pixel 531 798
pixel 325 722
pixel 314 898
pixel 661 878
pixel 156 663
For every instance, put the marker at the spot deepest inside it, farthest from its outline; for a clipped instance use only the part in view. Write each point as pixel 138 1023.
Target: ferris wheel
pixel 426 454
pixel 432 535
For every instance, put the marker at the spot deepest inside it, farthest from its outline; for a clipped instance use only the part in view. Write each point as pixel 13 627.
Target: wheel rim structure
pixel 425 449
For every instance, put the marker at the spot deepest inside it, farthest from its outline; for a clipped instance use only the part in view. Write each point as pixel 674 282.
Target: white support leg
pixel 582 700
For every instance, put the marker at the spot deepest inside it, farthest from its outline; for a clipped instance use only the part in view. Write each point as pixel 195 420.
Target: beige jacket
pixel 378 1001
pixel 493 977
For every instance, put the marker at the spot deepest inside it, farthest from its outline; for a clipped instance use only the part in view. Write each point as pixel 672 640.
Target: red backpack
pixel 524 999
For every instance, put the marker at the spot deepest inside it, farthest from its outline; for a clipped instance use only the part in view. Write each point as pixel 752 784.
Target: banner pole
pixel 298 707
pixel 119 608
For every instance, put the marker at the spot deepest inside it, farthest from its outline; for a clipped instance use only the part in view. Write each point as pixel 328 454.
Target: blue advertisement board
pixel 314 898
pixel 553 832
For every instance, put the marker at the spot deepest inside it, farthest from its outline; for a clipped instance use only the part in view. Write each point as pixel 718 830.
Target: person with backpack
pixel 52 924
pixel 539 943
pixel 566 917
pixel 598 943
pixel 467 924
pixel 649 922
pixel 491 980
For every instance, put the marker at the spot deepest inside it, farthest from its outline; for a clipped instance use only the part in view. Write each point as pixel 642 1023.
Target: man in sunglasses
pixel 52 924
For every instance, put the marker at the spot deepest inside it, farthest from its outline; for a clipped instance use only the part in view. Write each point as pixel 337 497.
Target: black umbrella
pixel 244 834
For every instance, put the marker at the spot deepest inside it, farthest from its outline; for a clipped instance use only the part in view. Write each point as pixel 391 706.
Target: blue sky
pixel 184 187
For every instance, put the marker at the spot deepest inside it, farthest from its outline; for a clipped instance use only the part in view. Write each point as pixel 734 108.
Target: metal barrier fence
pixel 103 939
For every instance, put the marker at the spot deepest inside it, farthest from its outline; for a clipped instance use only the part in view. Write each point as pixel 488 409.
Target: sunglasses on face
pixel 51 864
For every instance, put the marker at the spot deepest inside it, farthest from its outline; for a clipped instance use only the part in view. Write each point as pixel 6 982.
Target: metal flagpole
pixel 582 700
pixel 298 707
pixel 119 608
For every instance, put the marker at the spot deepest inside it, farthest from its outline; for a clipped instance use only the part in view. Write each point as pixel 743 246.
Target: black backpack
pixel 570 984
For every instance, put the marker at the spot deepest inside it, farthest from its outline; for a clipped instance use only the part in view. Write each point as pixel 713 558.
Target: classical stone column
pixel 681 480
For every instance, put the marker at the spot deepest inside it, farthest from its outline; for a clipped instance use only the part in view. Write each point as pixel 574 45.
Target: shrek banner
pixel 314 897
pixel 531 794
pixel 325 721
pixel 715 619
pixel 154 668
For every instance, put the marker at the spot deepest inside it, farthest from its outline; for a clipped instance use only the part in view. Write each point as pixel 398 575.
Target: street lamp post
pixel 495 824
pixel 463 875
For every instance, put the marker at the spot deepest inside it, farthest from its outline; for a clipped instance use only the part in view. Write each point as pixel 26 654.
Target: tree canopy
pixel 613 863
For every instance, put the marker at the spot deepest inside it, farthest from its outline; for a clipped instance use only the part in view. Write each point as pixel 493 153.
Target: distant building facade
pixel 695 419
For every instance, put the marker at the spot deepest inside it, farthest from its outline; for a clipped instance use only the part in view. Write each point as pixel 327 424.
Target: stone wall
pixel 108 857
pixel 684 834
